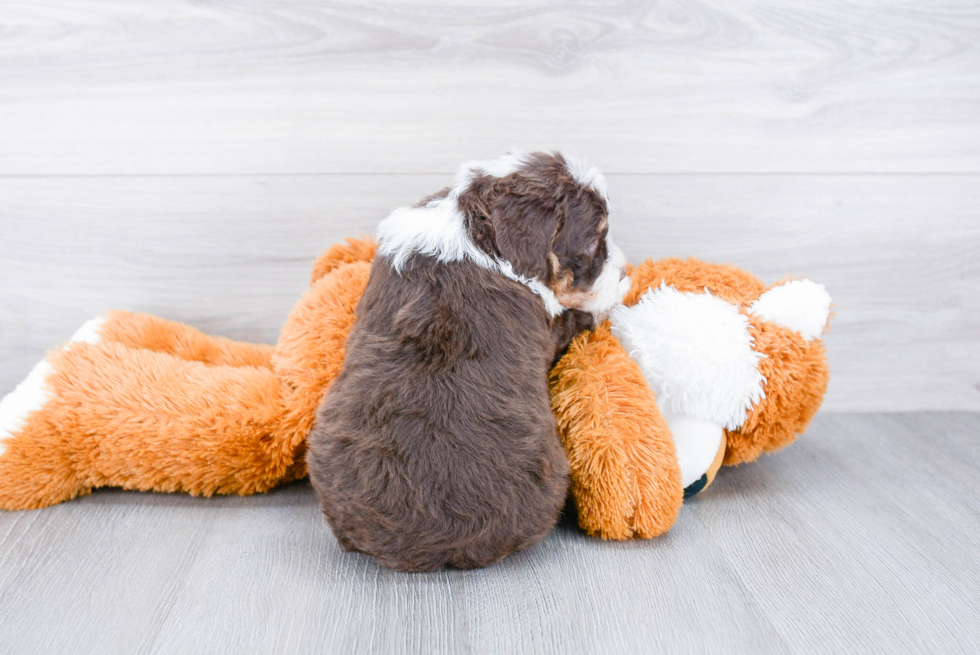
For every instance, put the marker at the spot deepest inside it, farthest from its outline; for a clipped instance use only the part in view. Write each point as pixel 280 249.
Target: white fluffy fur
pixel 696 353
pixel 439 230
pixel 587 175
pixel 502 166
pixel 31 394
pixel 28 396
pixel 696 441
pixel 89 332
pixel 608 289
pixel 800 305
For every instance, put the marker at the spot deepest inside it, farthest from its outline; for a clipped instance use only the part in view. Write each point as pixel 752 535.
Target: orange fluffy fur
pixel 158 405
pixel 625 477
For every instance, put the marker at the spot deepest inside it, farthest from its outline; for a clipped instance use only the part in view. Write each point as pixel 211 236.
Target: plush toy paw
pixel 138 402
pixel 34 471
pixel 692 488
pixel 625 477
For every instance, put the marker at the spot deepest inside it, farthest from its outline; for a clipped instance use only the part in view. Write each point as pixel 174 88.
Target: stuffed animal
pixel 701 364
pixel 137 402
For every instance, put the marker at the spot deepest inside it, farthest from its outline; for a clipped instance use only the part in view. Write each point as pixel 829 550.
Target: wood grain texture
pixel 859 538
pixel 899 254
pixel 275 86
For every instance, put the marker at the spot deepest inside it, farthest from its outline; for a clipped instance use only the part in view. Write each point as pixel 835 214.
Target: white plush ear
pixel 800 305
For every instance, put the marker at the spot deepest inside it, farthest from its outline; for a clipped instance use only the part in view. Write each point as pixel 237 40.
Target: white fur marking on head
pixel 439 230
pixel 500 167
pixel 800 305
pixel 696 442
pixel 31 394
pixel 587 175
pixel 695 351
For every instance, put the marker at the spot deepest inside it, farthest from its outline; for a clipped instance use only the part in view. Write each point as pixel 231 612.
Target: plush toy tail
pixel 99 413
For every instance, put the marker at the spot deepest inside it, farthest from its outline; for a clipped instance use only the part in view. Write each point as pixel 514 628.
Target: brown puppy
pixel 436 444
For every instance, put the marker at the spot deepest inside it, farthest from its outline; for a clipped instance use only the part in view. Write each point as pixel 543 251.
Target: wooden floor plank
pixel 265 86
pixel 859 538
pixel 873 529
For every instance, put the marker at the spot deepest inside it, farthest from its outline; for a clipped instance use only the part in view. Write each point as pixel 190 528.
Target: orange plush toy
pixel 701 365
pixel 138 402
pixel 714 366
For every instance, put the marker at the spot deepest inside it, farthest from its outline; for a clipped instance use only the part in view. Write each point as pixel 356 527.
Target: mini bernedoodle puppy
pixel 436 445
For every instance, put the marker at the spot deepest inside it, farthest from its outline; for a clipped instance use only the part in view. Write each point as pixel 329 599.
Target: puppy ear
pixel 524 227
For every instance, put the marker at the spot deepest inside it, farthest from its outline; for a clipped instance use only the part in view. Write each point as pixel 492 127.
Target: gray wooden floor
pixel 190 159
pixel 861 537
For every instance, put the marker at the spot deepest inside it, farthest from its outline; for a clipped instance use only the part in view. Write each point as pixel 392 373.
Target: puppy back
pixel 436 444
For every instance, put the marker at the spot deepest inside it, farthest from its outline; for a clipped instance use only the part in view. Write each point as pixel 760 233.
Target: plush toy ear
pixel 799 305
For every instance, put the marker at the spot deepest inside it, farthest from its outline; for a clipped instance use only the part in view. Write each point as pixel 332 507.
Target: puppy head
pixel 549 218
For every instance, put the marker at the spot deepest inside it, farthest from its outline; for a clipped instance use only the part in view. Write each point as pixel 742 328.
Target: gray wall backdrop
pixel 191 159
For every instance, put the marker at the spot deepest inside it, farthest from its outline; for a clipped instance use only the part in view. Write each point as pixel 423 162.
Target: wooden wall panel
pixel 231 254
pixel 269 86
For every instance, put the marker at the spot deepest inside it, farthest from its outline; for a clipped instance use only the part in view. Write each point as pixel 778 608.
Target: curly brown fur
pixel 436 445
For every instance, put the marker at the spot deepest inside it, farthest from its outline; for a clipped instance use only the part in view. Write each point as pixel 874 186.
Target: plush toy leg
pixel 310 352
pixel 20 410
pixel 180 340
pixel 103 414
pixel 625 477
pixel 168 414
pixel 796 374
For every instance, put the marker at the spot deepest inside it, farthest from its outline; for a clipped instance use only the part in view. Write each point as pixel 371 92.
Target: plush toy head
pixel 703 365
pixel 733 365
